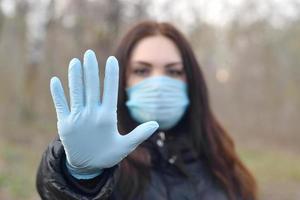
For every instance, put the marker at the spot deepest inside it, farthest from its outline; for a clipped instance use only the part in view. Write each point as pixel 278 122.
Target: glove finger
pixel 91 78
pixel 75 85
pixel 111 83
pixel 140 134
pixel 59 98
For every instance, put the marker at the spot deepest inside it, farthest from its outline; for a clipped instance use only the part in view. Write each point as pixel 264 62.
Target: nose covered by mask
pixel 160 98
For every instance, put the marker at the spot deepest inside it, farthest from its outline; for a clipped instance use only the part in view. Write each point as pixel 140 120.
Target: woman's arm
pixel 55 182
pixel 89 140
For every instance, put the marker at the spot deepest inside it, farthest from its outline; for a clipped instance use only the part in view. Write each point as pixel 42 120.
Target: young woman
pixel 151 135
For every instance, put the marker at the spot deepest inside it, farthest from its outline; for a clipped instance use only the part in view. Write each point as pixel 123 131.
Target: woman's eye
pixel 174 72
pixel 141 71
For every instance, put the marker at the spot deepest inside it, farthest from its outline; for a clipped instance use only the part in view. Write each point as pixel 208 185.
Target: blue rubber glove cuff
pixel 81 174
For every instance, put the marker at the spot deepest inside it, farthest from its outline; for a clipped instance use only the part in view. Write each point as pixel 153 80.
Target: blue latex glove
pixel 89 131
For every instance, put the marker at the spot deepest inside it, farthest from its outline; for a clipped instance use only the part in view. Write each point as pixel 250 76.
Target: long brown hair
pixel 207 136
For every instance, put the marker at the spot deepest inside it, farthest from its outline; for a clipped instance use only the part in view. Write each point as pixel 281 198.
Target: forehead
pixel 156 49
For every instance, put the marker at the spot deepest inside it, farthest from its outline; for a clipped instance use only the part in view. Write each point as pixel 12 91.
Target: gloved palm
pixel 88 131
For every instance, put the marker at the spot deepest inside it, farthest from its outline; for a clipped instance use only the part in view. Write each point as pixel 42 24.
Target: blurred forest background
pixel 249 51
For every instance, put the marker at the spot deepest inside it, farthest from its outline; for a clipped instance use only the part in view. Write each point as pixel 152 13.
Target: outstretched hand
pixel 88 130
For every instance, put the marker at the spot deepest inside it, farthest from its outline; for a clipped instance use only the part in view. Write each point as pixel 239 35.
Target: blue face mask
pixel 161 98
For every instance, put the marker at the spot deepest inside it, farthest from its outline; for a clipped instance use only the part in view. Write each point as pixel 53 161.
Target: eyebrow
pixel 171 64
pixel 143 63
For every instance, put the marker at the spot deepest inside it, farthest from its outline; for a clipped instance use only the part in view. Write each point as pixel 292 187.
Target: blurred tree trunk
pixel 1 20
pixel 37 17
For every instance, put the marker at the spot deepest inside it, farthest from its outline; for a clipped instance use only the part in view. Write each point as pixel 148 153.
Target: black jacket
pixel 167 182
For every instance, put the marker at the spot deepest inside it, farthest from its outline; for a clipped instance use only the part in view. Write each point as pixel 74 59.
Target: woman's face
pixel 154 56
